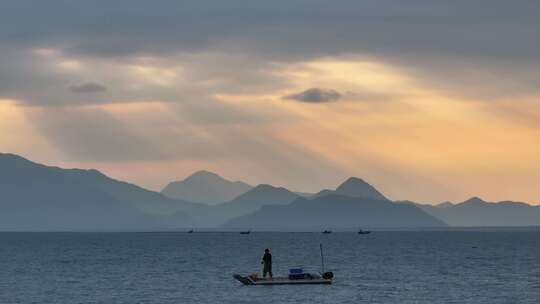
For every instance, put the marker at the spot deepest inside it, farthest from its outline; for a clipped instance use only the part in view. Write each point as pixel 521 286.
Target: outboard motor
pixel 328 275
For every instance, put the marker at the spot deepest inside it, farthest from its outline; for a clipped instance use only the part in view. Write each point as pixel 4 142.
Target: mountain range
pixel 336 211
pixel 37 197
pixel 218 214
pixel 477 212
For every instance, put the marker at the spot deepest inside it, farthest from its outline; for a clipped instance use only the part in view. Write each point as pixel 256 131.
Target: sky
pixel 428 101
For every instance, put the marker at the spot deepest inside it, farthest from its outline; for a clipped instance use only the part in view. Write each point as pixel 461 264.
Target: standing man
pixel 267 262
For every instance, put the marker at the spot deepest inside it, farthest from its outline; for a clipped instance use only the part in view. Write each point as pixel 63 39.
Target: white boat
pixel 326 278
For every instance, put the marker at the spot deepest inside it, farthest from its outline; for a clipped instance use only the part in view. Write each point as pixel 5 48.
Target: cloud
pixel 315 95
pixel 87 87
pixel 141 27
pixel 446 43
pixel 178 78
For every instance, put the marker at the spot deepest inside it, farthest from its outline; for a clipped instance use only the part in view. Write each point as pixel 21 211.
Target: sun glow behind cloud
pixel 405 136
pixel 414 134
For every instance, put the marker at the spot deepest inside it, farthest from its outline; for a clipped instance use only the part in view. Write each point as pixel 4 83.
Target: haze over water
pixel 383 267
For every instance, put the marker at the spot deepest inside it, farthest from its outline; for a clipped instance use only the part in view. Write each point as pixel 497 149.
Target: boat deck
pixel 280 281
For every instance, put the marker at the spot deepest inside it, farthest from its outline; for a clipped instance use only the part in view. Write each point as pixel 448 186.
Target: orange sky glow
pixel 408 137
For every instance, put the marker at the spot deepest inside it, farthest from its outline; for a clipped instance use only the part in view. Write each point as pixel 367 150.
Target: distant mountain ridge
pixel 335 211
pixel 37 197
pixel 259 196
pixel 205 187
pixel 477 212
pixel 245 203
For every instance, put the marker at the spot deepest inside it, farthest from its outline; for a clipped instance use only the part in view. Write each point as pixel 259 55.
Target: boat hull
pixel 281 281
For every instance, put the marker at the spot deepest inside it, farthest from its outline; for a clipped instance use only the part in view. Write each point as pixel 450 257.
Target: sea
pixel 176 267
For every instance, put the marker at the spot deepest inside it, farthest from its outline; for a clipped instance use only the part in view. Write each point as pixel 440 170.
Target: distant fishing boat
pixel 296 277
pixel 245 232
pixel 364 231
pixel 327 232
pixel 190 231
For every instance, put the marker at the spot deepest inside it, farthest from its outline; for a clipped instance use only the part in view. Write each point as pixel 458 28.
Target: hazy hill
pixel 38 197
pixel 354 187
pixel 445 205
pixel 476 212
pixel 205 187
pixel 335 211
pixel 245 203
pixel 258 197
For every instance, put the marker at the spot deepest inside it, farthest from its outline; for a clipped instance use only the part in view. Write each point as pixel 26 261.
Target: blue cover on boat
pixel 296 270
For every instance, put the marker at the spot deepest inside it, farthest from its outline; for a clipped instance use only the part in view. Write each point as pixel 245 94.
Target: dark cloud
pixel 316 95
pixel 435 39
pixel 87 87
pixel 283 28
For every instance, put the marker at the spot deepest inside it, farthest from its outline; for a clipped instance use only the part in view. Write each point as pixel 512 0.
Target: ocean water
pixel 383 267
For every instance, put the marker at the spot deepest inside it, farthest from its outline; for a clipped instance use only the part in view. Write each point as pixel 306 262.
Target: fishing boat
pixel 296 277
pixel 327 232
pixel 245 232
pixel 190 231
pixel 325 278
pixel 364 231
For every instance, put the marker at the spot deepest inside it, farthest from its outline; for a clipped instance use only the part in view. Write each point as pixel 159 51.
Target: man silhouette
pixel 267 262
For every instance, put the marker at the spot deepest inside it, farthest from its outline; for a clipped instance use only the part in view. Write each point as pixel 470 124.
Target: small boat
pixel 327 232
pixel 296 277
pixel 364 231
pixel 190 231
pixel 245 232
pixel 325 278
